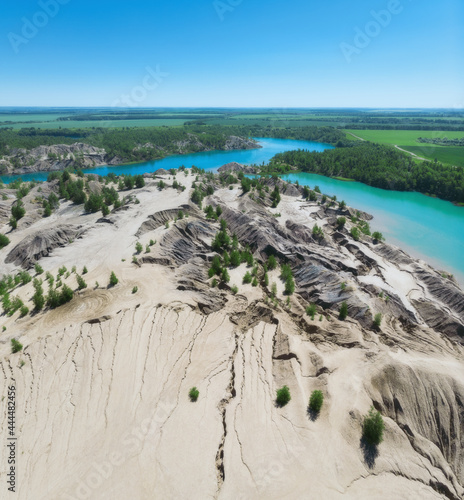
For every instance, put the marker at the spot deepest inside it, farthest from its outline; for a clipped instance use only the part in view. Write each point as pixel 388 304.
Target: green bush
pixel 193 394
pixel 283 396
pixel 138 247
pixel 289 286
pixel 38 269
pixel 316 400
pixel 4 241
pixel 377 236
pixel 135 289
pixel 355 233
pixel 234 289
pixel 343 311
pixel 373 427
pixel 378 320
pixel 16 346
pixel 113 280
pixel 80 282
pixel 24 311
pixel 247 278
pixel 271 263
pixel 17 210
pixel 311 310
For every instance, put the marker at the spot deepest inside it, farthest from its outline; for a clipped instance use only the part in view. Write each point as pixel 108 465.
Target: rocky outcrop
pixel 41 244
pixel 235 168
pixel 80 155
pixel 234 142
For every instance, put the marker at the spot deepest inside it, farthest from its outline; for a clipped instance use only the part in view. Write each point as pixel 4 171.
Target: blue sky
pixel 232 53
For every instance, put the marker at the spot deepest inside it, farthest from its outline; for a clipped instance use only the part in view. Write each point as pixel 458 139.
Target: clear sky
pixel 232 53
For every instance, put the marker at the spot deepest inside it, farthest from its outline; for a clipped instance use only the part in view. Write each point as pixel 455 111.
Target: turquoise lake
pixel 427 228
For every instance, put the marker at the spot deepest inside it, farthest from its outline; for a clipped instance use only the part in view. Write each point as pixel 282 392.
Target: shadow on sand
pixel 313 415
pixel 370 452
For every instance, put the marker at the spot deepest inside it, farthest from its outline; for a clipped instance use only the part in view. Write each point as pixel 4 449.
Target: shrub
pixel 271 263
pixel 38 269
pixel 135 289
pixel 139 181
pixel 377 236
pixel 180 214
pixel 80 282
pixel 138 247
pixel 216 266
pixel 316 400
pixel 16 346
pixel 84 271
pixel 341 221
pixel 317 231
pixel 13 222
pixel 4 240
pixel 113 280
pixel 105 210
pixel 343 311
pixel 378 320
pixel 25 277
pixel 234 289
pixel 17 210
pixel 247 278
pixel 225 276
pixel 311 310
pixel 24 311
pixel 283 396
pixel 373 427
pixel 152 242
pixel 193 394
pixel 214 283
pixel 355 233
pixel 254 282
pixel 289 285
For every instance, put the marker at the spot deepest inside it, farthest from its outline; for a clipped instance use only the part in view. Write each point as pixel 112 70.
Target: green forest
pixel 129 143
pixel 376 165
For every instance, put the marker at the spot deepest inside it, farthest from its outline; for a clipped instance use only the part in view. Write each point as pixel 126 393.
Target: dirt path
pixel 412 154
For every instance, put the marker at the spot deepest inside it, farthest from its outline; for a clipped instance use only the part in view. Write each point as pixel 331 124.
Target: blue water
pixel 427 228
pixel 208 161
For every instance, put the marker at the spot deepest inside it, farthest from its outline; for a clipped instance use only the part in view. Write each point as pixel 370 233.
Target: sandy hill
pixel 102 383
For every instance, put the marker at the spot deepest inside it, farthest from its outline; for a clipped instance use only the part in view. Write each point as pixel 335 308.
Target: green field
pixel 407 139
pixel 30 117
pixel 169 122
pixel 448 155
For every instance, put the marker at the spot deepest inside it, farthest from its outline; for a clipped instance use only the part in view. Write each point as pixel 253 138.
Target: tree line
pixel 377 165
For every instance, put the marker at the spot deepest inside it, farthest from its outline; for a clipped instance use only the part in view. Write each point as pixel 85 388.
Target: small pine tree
pixel 311 311
pixel 343 311
pixel 113 280
pixel 80 282
pixel 283 396
pixel 16 346
pixel 373 427
pixel 193 394
pixel 316 400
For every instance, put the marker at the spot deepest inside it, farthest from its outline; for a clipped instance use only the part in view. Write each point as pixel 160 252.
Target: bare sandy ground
pixel 102 407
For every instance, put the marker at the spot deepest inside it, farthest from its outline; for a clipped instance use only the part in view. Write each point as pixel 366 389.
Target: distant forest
pixel 376 165
pixel 128 142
